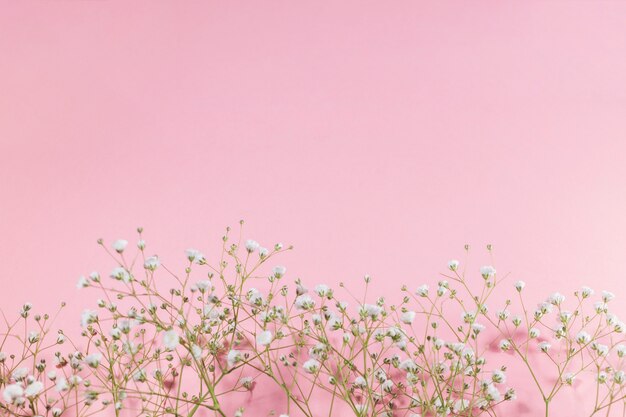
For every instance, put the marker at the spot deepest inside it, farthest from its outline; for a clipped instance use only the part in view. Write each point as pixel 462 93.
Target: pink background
pixel 377 137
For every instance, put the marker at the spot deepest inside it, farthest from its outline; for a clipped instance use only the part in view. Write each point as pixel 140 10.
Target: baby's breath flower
pixel 264 338
pixel 119 245
pixel 519 285
pixel 407 317
pixel 82 282
pixel 586 292
pixel 422 291
pixel 544 347
pixel 487 271
pixel 13 394
pixel 251 245
pixel 583 338
pixel 171 339
pixel 453 265
pixel 151 263
pixel 311 366
pixel 607 296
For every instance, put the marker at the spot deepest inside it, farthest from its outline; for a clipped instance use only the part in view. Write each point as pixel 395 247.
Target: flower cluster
pixel 160 343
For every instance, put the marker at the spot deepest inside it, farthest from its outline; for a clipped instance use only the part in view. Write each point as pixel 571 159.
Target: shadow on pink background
pixel 377 138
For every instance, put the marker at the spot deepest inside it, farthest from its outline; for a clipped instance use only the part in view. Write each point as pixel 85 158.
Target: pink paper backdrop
pixel 377 137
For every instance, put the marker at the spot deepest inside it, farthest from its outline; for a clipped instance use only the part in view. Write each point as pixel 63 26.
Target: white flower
pixel 323 290
pixel 544 347
pixel 93 359
pixel 119 245
pixel 619 377
pixel 607 296
pixel 534 333
pixel 504 345
pixel 569 378
pixel 194 255
pixel 453 265
pixel 263 252
pixel 519 285
pixel 82 282
pixel 13 394
pixel 359 382
pixel 33 389
pixel 279 271
pixel 311 366
pixel 152 263
pixel 460 405
pixel 88 317
pixel 621 350
pixel 407 317
pixel 583 338
pixel 498 377
pixel 203 285
pixel 121 274
pixel 251 245
pixel 196 351
pixel 62 385
pixel 20 373
pixel 408 365
pixel 422 291
pixel 233 357
pixel 304 302
pixel 370 310
pixel 487 271
pixel 264 338
pixel 586 292
pixel 171 339
pixel 556 299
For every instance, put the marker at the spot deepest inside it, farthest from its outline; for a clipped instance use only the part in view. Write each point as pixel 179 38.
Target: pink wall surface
pixel 377 137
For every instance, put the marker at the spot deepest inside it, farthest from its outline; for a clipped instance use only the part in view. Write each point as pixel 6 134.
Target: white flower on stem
pixel 544 347
pixel 279 271
pixel 323 291
pixel 407 317
pixel 304 302
pixel 93 359
pixel 601 350
pixel 460 405
pixel 62 385
pixel 422 290
pixel 194 255
pixel 569 377
pixel 504 345
pixel 453 265
pixel 311 366
pixel 602 377
pixel 263 252
pixel 359 382
pixel 264 338
pixel 621 351
pixel 13 394
pixel 121 274
pixel 151 263
pixel 233 357
pixel 519 285
pixel 556 299
pixel 583 338
pixel 607 296
pixel 88 317
pixel 20 373
pixel 601 307
pixel 619 377
pixel 119 245
pixel 251 245
pixel 196 352
pixel 534 333
pixel 408 365
pixel 33 389
pixel 586 292
pixel 370 310
pixel 82 282
pixel 171 339
pixel 487 271
pixel 203 285
pixel 498 377
pixel 141 244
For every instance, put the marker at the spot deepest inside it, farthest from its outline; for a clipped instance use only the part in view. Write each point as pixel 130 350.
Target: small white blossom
pixel 264 338
pixel 311 366
pixel 93 359
pixel 152 263
pixel 171 339
pixel 607 296
pixel 251 245
pixel 33 389
pixel 233 357
pixel 422 291
pixel 453 265
pixel 487 271
pixel 13 394
pixel 407 317
pixel 519 285
pixel 119 245
pixel 82 282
